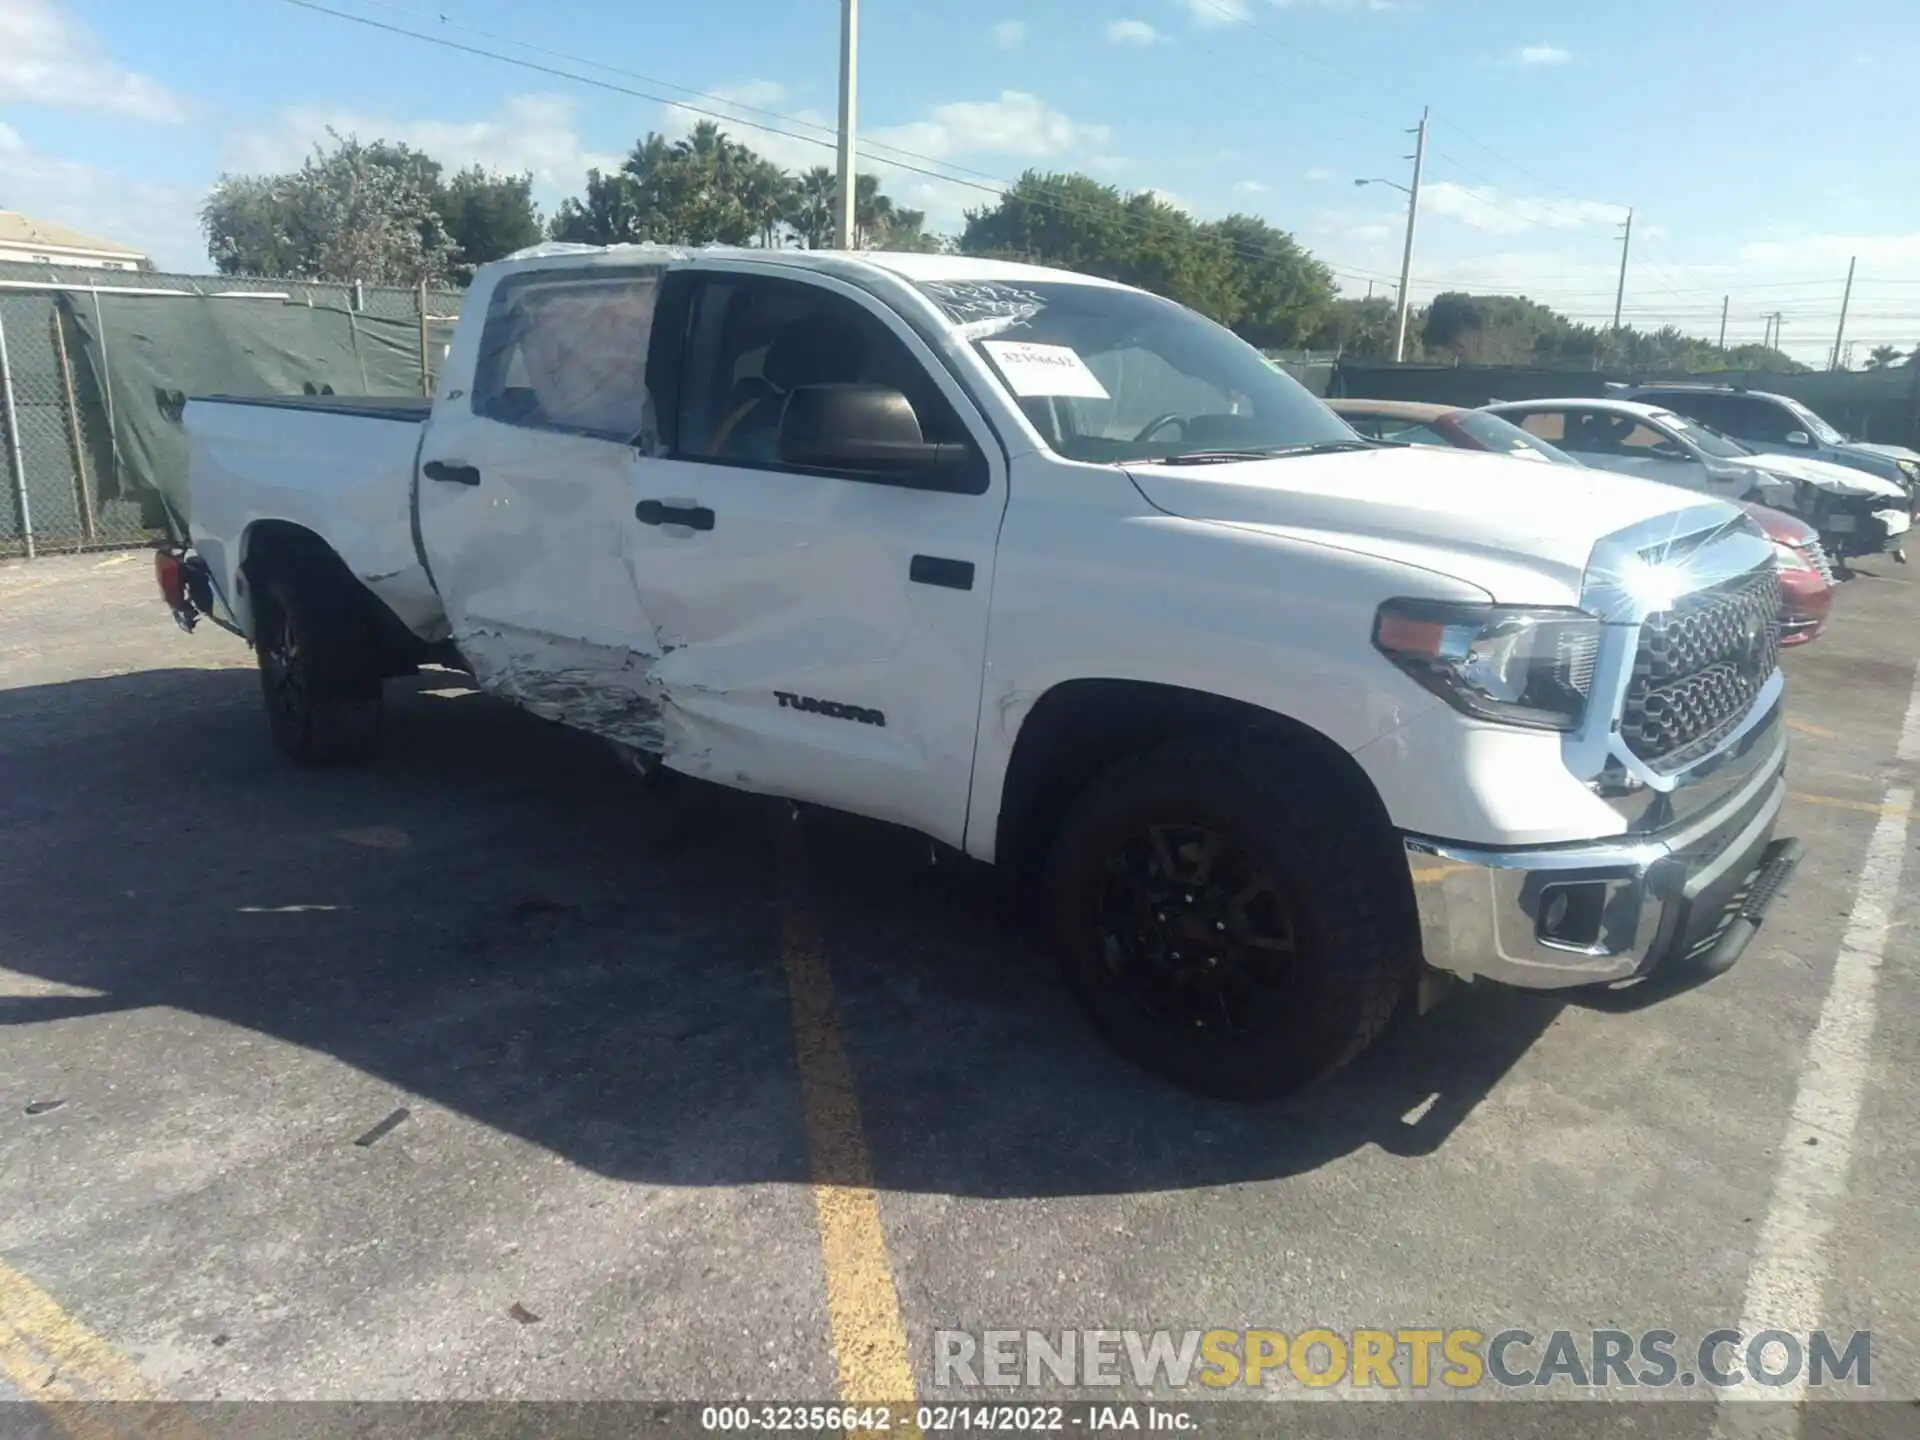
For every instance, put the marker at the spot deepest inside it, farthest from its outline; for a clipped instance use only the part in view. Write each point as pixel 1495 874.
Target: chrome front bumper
pixel 1590 913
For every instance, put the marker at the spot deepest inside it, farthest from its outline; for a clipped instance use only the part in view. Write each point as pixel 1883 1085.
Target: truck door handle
pixel 938 570
pixel 451 471
pixel 658 512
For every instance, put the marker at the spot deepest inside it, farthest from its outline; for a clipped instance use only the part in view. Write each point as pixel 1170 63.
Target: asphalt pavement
pixel 482 1071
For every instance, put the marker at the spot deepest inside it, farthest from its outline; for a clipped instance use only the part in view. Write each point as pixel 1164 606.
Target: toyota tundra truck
pixel 1283 724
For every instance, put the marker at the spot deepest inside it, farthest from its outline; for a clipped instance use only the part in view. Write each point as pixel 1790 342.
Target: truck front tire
pixel 323 704
pixel 1228 917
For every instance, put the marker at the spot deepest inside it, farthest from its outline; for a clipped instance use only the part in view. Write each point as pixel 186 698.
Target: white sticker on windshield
pixel 1037 370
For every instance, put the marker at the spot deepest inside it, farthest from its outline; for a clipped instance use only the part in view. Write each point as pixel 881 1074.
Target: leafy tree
pixel 489 216
pixel 1361 328
pixel 1077 223
pixel 1284 291
pixel 608 213
pixel 1884 357
pixel 357 211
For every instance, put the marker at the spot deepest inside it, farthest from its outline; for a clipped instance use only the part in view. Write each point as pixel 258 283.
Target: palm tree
pixel 809 211
pixel 766 193
pixel 1883 357
pixel 872 212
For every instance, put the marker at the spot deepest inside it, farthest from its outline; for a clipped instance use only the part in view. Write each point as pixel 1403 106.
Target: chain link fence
pixel 61 486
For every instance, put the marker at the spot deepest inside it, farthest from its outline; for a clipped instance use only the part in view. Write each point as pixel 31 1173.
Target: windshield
pixel 1707 441
pixel 1109 375
pixel 1505 438
pixel 1822 431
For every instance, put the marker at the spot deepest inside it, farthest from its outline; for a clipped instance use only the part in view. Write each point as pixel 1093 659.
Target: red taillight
pixel 173 585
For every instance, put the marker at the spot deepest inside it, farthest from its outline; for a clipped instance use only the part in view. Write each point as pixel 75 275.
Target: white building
pixel 41 242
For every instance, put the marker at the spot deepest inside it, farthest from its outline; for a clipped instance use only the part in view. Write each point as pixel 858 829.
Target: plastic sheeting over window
pixel 567 350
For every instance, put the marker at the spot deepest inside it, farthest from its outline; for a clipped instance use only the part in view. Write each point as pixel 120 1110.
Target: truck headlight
pixel 1511 664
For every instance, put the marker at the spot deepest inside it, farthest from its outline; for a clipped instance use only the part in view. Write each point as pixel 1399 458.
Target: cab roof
pixel 912 267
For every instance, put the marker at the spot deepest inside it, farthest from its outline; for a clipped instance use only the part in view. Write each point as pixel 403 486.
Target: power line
pixel 998 188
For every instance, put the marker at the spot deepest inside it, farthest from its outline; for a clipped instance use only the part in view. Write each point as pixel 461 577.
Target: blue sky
pixel 1759 144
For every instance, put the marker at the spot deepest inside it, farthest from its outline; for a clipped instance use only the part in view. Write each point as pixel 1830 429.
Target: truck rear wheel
pixel 1227 917
pixel 323 705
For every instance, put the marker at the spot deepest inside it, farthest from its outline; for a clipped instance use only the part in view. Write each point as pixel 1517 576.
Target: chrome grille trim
pixel 1699 667
pixel 1822 563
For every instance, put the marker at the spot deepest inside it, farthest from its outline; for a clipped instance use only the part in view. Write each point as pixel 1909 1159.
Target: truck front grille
pixel 1699 667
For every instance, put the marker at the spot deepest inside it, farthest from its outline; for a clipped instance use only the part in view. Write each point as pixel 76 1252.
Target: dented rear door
pixel 523 498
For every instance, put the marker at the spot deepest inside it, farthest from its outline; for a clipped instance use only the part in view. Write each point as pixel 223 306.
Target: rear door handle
pixel 659 512
pixel 451 471
pixel 938 570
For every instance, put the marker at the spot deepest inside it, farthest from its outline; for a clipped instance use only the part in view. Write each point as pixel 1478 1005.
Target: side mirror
pixel 1799 437
pixel 871 431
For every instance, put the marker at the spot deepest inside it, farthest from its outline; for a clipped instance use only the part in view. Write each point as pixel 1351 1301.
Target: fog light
pixel 1556 913
pixel 1570 914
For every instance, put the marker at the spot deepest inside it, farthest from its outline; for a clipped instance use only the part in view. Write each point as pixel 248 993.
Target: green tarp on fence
pixel 142 355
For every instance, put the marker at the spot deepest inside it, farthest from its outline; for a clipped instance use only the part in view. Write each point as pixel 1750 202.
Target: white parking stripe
pixel 1786 1284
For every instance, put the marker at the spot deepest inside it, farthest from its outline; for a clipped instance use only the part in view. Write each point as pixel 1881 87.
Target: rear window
pixel 567 350
pixel 1505 438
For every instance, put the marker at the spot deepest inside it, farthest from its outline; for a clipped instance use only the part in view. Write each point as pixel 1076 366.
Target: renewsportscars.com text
pixel 1402 1358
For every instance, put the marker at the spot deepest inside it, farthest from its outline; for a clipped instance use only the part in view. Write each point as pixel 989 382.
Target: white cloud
pixel 1370 233
pixel 1319 175
pixel 162 220
pixel 1542 55
pixel 532 134
pixel 1010 34
pixel 1131 32
pixel 1481 207
pixel 48 58
pixel 1015 124
pixel 1212 14
pixel 1248 187
pixel 1830 253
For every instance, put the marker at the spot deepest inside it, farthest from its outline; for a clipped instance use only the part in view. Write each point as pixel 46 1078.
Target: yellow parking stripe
pixel 49 1355
pixel 869 1338
pixel 1804 728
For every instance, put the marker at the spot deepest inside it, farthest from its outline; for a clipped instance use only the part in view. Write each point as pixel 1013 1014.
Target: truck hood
pixel 1835 479
pixel 1486 519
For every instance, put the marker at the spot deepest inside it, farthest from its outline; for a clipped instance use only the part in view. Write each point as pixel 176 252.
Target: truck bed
pixel 340 466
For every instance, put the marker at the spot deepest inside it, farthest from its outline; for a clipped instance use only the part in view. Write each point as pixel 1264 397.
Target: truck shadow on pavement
pixel 496 919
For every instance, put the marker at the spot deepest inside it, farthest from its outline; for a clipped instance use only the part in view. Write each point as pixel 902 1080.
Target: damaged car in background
pixel 1856 513
pixel 1284 726
pixel 1807 577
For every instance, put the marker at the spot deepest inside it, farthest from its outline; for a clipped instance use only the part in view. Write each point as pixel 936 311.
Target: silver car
pixel 1780 425
pixel 1855 513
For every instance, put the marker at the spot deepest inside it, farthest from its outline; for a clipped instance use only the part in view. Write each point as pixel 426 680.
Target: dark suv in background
pixel 1780 425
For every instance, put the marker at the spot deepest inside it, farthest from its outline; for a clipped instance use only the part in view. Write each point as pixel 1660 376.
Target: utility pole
pixel 1774 321
pixel 1846 298
pixel 1725 300
pixel 844 230
pixel 1620 294
pixel 1406 258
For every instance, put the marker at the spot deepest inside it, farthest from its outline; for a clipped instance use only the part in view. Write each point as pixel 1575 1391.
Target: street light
pixel 1419 158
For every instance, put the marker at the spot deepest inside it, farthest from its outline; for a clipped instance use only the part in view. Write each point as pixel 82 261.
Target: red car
pixel 1806 572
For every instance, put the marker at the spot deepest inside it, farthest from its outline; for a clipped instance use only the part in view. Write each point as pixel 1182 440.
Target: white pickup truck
pixel 1064 576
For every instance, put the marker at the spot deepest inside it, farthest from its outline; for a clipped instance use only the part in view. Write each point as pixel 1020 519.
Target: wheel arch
pixel 274 547
pixel 1082 727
